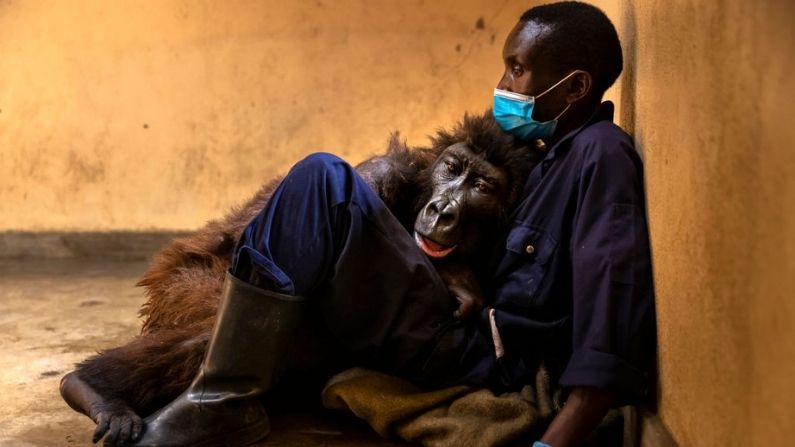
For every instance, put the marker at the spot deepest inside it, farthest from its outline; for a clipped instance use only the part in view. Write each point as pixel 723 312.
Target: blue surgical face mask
pixel 514 113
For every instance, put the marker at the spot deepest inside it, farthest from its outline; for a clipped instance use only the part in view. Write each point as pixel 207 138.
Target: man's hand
pixel 583 411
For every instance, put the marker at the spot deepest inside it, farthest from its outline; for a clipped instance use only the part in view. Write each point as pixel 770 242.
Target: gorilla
pixel 454 195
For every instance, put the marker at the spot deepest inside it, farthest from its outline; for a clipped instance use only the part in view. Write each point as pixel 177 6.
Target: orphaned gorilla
pixel 454 197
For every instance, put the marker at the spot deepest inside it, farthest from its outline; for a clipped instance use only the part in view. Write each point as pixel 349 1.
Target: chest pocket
pixel 530 250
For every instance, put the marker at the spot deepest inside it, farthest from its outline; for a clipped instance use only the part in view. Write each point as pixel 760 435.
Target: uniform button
pixel 530 249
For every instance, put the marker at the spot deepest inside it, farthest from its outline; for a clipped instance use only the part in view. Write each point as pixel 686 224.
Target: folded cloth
pixel 456 416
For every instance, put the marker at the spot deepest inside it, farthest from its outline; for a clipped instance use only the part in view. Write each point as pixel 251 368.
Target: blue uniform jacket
pixel 574 280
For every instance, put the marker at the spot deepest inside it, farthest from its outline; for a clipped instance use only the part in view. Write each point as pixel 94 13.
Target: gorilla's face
pixel 467 196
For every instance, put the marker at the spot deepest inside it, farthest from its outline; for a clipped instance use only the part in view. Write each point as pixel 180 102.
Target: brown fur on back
pixel 183 282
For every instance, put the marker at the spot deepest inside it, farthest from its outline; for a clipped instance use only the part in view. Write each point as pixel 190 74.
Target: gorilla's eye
pixel 483 187
pixel 451 167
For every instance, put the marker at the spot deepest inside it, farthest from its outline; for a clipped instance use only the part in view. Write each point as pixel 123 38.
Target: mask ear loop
pixel 561 113
pixel 556 84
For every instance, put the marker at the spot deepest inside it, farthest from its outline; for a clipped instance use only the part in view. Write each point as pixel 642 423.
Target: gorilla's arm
pixel 113 417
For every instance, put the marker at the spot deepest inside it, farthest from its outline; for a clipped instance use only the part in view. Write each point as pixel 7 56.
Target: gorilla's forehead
pixel 476 161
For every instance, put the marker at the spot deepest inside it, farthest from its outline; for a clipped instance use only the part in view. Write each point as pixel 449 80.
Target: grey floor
pixel 54 313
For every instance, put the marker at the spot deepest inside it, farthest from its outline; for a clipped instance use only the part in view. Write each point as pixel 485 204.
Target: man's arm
pixel 612 297
pixel 583 411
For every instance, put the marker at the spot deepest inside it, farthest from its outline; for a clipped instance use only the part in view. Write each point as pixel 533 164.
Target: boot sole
pixel 240 438
pixel 249 435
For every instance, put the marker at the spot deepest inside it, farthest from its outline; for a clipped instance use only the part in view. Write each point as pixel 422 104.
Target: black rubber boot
pixel 245 357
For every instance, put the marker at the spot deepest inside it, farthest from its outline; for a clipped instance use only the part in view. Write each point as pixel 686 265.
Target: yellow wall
pixel 234 92
pixel 709 94
pixel 133 115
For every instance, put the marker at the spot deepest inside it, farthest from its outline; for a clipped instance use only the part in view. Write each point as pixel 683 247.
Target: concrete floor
pixel 54 313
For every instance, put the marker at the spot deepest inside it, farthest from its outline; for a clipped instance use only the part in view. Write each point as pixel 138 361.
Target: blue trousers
pixel 326 234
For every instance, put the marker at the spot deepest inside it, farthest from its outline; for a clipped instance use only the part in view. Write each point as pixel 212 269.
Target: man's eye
pixel 516 71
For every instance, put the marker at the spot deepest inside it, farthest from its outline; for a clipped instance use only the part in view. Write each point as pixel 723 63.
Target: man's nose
pixel 503 84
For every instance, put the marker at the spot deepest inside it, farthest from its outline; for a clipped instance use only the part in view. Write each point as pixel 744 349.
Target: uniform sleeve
pixel 613 318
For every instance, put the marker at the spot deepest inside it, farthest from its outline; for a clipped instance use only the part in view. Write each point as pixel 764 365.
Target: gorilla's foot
pixel 115 420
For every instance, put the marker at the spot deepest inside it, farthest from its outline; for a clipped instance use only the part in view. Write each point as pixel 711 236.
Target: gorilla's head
pixel 470 187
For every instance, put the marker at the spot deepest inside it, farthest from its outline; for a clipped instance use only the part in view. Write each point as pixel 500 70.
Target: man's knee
pixel 327 175
pixel 320 162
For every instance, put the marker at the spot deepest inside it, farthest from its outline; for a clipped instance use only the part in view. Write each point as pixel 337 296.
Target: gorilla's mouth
pixel 431 248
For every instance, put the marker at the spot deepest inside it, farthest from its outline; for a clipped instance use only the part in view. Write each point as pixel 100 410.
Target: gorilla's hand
pixel 469 304
pixel 464 287
pixel 115 420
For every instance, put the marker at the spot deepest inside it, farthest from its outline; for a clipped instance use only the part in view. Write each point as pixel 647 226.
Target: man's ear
pixel 579 86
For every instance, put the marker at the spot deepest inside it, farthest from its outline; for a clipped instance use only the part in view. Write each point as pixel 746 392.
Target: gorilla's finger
pixel 137 426
pixel 124 431
pixel 113 433
pixel 103 422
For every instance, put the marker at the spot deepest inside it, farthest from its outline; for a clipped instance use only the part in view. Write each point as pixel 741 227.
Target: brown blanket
pixel 455 416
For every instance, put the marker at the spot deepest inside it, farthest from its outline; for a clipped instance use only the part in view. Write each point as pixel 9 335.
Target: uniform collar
pixel 603 112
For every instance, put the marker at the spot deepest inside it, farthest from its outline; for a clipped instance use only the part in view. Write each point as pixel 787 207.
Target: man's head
pixel 557 40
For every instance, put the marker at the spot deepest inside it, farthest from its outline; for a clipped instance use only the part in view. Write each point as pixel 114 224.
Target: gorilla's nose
pixel 444 213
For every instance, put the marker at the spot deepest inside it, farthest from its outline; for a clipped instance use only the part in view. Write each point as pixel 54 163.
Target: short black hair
pixel 580 37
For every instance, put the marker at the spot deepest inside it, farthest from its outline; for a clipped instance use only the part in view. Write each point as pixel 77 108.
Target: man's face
pixel 527 69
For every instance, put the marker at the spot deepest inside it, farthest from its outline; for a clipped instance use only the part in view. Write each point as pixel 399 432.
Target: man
pixel 573 280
